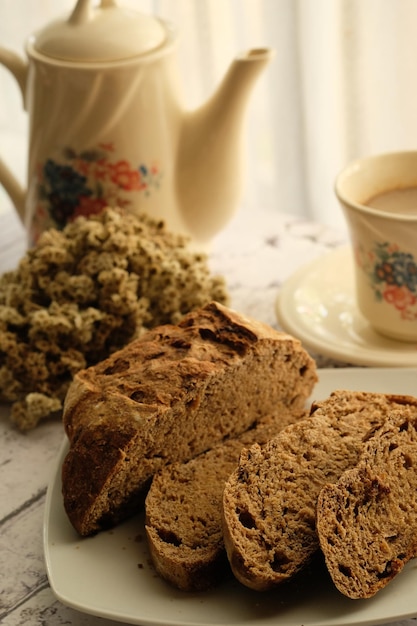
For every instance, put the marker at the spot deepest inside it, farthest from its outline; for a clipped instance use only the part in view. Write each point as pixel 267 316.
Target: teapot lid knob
pixel 103 33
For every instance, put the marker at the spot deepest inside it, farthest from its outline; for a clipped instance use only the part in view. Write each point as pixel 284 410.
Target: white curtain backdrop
pixel 342 85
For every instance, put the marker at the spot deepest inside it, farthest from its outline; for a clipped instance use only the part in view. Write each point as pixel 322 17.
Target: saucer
pixel 317 305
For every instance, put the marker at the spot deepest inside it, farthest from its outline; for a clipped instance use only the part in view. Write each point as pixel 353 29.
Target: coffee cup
pixel 378 196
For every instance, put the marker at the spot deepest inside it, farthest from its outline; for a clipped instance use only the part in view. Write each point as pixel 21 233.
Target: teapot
pixel 107 126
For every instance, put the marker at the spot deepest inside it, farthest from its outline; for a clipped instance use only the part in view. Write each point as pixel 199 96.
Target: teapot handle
pixel 19 69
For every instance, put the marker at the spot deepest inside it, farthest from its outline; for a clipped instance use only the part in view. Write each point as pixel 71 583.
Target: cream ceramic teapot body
pixel 107 127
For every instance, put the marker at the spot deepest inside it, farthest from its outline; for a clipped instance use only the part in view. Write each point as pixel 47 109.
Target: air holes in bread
pixel 246 519
pixel 279 562
pixel 407 461
pixel 137 396
pixel 345 571
pixel 169 537
pixel 387 573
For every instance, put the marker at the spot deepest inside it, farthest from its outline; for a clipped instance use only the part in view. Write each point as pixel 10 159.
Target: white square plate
pixel 110 575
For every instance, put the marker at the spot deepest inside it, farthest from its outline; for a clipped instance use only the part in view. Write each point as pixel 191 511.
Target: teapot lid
pixel 98 34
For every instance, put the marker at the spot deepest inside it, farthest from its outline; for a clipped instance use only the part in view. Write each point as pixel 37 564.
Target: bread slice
pixel 269 502
pixel 367 521
pixel 169 396
pixel 183 510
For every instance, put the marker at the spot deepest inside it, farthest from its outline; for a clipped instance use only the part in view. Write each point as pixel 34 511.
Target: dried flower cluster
pixel 84 292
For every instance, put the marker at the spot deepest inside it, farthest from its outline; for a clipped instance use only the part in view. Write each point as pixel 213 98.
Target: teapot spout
pixel 210 160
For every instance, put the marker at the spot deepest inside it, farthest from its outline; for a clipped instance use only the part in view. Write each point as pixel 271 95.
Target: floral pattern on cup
pixel 393 276
pixel 84 183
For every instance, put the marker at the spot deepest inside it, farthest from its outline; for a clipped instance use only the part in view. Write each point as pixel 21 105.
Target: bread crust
pixel 169 396
pixel 269 502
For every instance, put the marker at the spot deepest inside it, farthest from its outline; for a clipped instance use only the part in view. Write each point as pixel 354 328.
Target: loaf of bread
pixel 169 396
pixel 183 510
pixel 269 502
pixel 367 521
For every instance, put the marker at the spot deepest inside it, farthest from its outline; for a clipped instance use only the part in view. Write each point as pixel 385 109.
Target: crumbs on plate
pixel 81 293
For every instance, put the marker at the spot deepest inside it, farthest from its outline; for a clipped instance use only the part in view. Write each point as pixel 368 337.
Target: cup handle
pixel 19 69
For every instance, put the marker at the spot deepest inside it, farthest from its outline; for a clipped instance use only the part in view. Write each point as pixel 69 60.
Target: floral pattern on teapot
pixel 84 183
pixel 393 275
